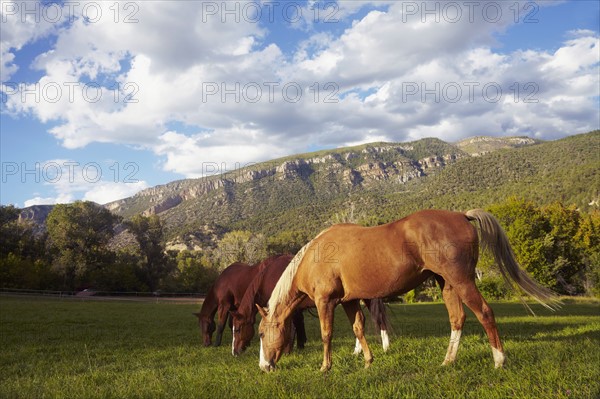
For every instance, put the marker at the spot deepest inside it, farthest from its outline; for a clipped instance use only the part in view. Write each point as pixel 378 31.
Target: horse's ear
pixel 263 311
pixel 234 313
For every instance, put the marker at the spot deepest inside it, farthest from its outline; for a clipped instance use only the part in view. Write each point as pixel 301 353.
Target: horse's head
pixel 243 332
pixel 207 328
pixel 272 333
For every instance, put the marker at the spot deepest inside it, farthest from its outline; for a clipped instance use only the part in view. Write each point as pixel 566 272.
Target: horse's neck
pixel 247 308
pixel 285 308
pixel 210 305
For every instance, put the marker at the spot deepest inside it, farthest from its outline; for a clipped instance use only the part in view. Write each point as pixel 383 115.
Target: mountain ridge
pixel 382 180
pixel 298 166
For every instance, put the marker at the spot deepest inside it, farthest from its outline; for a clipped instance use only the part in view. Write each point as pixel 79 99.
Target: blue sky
pixel 103 99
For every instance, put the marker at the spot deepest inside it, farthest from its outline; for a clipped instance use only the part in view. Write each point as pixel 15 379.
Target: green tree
pixel 587 239
pixel 563 254
pixel 148 232
pixel 526 229
pixel 554 243
pixel 240 246
pixel 23 259
pixel 286 242
pixel 194 272
pixel 17 237
pixel 78 233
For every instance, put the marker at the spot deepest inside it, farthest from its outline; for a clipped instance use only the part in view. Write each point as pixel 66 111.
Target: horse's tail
pixel 379 314
pixel 494 239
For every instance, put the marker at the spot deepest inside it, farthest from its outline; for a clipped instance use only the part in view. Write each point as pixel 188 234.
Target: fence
pixel 88 294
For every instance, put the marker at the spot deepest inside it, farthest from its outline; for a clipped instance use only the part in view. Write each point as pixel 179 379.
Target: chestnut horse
pixel 225 295
pixel 347 262
pixel 259 291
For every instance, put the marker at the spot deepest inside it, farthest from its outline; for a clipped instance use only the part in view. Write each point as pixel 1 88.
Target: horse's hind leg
pixel 357 318
pixel 471 296
pixel 456 314
pixel 379 317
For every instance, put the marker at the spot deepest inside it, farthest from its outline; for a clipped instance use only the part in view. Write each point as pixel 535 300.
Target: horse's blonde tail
pixel 494 239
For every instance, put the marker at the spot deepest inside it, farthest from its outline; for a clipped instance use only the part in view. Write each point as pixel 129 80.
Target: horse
pixel 259 291
pixel 347 262
pixel 224 295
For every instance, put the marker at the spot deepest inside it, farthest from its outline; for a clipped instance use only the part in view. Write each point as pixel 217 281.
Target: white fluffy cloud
pixel 71 180
pixel 394 74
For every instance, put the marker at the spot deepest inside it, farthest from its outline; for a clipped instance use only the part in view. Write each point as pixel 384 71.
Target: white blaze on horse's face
pixel 233 341
pixel 272 340
pixel 262 362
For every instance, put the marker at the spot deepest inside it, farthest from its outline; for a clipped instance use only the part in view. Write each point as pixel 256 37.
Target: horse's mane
pixel 284 285
pixel 247 302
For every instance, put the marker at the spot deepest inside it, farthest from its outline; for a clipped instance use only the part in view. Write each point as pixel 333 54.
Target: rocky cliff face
pixel 353 168
pixel 36 215
pixel 221 200
pixel 481 145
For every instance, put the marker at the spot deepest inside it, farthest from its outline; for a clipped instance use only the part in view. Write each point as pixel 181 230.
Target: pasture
pixel 53 348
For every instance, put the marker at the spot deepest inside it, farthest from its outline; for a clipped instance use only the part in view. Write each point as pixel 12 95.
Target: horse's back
pixel 233 281
pixel 368 262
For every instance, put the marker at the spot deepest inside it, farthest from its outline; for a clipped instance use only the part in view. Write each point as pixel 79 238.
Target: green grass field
pixel 53 348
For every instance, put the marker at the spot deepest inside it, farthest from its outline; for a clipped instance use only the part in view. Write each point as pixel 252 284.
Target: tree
pixel 562 253
pixel 554 243
pixel 526 229
pixel 18 238
pixel 194 272
pixel 587 239
pixel 240 246
pixel 286 242
pixel 78 233
pixel 148 232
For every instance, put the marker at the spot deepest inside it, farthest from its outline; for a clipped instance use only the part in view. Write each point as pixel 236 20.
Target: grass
pixel 54 348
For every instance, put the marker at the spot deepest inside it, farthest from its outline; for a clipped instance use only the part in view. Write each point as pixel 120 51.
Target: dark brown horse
pixel 225 295
pixel 259 291
pixel 347 262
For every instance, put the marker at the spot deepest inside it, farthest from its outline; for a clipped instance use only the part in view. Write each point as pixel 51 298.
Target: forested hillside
pixel 178 236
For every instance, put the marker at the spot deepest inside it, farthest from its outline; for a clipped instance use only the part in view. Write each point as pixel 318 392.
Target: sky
pixel 101 99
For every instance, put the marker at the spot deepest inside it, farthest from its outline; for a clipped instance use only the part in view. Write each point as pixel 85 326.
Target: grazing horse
pixel 259 291
pixel 347 262
pixel 225 295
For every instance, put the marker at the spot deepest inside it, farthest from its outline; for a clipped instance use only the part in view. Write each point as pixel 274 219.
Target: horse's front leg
pixel 289 333
pixel 298 318
pixel 223 314
pixel 325 307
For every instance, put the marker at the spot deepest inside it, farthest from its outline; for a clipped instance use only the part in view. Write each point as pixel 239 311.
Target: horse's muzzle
pixel 267 368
